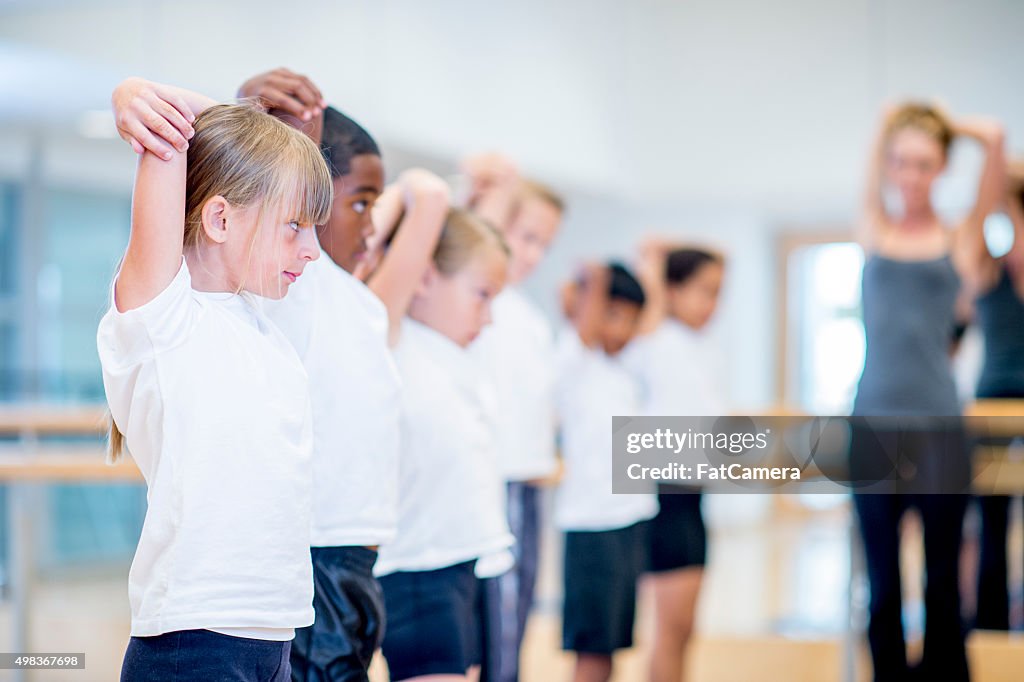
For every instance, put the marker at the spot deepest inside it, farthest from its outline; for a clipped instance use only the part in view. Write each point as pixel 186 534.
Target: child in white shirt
pixel 605 533
pixel 205 392
pixel 451 524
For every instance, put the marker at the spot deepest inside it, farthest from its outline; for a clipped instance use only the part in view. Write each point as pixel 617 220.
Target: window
pixel 55 273
pixel 823 326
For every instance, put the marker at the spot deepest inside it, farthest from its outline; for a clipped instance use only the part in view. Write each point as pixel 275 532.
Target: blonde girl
pixel 451 518
pixel 205 392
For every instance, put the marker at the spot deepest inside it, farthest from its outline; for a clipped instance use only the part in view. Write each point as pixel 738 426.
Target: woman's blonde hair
pixel 251 159
pixel 924 117
pixel 463 236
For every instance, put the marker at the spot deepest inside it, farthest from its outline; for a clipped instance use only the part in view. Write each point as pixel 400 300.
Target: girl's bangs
pixel 302 188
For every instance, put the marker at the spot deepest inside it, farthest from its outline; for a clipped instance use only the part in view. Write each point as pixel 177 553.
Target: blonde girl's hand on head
pixel 156 117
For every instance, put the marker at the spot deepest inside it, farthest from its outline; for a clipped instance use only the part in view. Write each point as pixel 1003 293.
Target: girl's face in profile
pixel 273 254
pixel 694 301
pixel 529 234
pixel 459 304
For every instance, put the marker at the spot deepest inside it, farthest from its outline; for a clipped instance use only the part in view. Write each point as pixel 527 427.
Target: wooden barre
pixel 65 465
pixel 52 419
pixel 91 418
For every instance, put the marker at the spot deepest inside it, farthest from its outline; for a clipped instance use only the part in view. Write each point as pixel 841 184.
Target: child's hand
pixel 488 171
pixel 593 274
pixel 285 90
pixel 153 117
pixel 653 255
pixel 419 185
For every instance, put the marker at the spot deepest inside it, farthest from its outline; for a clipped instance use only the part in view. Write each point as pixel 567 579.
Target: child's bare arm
pixel 147 115
pixel 396 277
pixel 592 300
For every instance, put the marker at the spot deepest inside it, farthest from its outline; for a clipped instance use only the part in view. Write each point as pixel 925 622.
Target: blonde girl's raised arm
pixel 401 267
pixel 152 116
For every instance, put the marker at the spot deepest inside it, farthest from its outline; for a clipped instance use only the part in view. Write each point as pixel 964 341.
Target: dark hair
pixel 959 329
pixel 623 286
pixel 682 264
pixel 341 140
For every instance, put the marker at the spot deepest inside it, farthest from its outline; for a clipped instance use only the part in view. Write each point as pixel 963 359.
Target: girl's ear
pixel 428 281
pixel 215 219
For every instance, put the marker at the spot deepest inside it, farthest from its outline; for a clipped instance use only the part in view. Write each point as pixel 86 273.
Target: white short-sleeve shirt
pixel 679 371
pixel 451 496
pixel 592 388
pixel 516 354
pixel 213 403
pixel 340 330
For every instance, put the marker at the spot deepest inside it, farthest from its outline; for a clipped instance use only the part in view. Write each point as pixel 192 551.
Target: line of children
pixel 352 448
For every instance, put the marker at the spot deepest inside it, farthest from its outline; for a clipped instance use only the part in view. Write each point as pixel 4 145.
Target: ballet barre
pixel 65 465
pixel 52 420
pixel 26 461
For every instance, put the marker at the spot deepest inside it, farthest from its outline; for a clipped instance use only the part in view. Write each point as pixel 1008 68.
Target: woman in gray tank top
pixel 911 281
pixel 998 284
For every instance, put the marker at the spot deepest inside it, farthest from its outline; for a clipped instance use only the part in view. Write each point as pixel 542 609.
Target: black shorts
pixel 678 537
pixel 433 621
pixel 187 655
pixel 601 571
pixel 349 625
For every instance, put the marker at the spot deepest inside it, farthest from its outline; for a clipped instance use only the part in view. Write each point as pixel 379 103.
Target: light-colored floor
pixel 773 608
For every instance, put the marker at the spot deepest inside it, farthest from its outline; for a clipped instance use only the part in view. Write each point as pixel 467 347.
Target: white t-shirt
pixel 516 354
pixel 592 388
pixel 213 403
pixel 679 372
pixel 451 498
pixel 340 330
